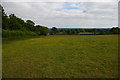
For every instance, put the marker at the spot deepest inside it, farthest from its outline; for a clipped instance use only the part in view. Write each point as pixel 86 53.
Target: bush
pixel 8 33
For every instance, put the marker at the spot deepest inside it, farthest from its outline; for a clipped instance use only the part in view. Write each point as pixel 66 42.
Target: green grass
pixel 62 56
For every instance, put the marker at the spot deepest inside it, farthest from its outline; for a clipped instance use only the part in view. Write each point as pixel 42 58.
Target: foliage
pixel 115 30
pixel 53 30
pixel 30 22
pixel 14 26
pixel 42 30
pixel 94 31
pixel 15 33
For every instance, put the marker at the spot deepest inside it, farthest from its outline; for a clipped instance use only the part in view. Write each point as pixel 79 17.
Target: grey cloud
pixel 95 15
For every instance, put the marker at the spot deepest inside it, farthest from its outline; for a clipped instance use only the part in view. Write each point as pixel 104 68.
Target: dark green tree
pixel 41 30
pixel 5 20
pixel 14 23
pixel 30 22
pixel 54 30
pixel 115 30
pixel 30 25
pixel 94 31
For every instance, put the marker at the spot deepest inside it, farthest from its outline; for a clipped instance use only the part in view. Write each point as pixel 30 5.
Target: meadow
pixel 61 56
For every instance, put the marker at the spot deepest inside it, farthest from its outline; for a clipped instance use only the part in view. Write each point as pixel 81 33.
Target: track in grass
pixel 65 56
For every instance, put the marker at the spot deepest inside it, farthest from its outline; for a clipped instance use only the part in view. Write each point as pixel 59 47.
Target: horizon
pixel 84 28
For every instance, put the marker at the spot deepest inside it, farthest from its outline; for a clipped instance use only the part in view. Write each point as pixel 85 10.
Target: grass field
pixel 62 56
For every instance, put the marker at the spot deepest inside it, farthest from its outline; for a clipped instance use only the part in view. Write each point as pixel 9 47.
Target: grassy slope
pixel 79 56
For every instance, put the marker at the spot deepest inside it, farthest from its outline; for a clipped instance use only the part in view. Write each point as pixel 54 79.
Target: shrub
pixel 8 33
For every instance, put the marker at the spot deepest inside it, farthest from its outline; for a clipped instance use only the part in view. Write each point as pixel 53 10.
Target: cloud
pixel 66 14
pixel 59 0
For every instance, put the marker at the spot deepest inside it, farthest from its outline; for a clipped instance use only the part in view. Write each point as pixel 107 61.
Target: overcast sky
pixel 66 14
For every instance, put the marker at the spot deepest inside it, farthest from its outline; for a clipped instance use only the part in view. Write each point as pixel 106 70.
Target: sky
pixel 66 14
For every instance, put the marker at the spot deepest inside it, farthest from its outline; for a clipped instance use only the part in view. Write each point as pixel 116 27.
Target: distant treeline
pixel 114 30
pixel 12 26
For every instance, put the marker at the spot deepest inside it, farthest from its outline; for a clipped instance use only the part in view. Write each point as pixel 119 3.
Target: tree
pixel 30 25
pixel 30 22
pixel 54 30
pixel 14 23
pixel 5 20
pixel 94 31
pixel 101 31
pixel 115 30
pixel 17 26
pixel 42 30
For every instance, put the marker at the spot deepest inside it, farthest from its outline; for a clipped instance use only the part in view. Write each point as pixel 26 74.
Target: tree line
pixel 94 31
pixel 13 26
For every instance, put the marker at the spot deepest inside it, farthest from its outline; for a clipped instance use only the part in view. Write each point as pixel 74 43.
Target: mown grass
pixel 64 56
